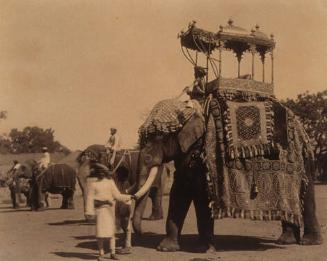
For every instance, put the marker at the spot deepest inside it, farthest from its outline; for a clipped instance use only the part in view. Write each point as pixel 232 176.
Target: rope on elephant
pixel 126 152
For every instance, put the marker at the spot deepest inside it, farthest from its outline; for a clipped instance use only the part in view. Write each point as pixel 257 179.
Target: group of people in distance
pixel 13 176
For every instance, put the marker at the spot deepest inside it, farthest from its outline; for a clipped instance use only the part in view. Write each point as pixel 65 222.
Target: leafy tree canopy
pixel 312 112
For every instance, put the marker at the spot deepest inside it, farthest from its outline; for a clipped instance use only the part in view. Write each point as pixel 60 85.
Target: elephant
pixel 56 179
pixel 184 143
pixel 125 177
pixel 19 183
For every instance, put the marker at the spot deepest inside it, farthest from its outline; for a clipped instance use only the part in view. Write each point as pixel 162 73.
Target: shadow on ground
pixel 72 222
pixel 86 256
pixel 222 242
pixel 189 242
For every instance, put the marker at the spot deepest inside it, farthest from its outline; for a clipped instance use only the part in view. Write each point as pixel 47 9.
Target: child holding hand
pixel 100 203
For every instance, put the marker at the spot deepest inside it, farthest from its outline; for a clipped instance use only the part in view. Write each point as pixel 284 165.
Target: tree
pixel 32 139
pixel 312 112
pixel 4 142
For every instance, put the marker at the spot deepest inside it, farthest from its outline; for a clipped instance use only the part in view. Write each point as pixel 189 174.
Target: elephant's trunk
pixel 138 214
pixel 142 195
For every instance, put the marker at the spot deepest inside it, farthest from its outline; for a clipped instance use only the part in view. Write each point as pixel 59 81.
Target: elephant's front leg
pixel 312 232
pixel 13 197
pixel 123 213
pixel 290 234
pixel 156 199
pixel 205 221
pixel 179 204
pixel 68 199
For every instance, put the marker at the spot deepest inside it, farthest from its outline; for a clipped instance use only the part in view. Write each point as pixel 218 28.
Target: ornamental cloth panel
pixel 249 128
pixel 254 186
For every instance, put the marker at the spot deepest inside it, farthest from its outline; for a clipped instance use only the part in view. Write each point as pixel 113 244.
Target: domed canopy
pixel 231 37
pixel 198 39
pixel 233 33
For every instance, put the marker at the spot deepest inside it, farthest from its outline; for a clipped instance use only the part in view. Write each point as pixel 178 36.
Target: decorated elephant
pixel 56 179
pixel 268 179
pixel 125 177
pixel 18 183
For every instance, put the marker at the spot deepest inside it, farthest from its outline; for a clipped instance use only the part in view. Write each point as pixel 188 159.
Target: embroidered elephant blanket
pixel 167 116
pixel 255 160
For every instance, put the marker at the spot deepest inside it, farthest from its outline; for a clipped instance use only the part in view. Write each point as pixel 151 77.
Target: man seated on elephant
pixel 198 90
pixel 45 159
pixel 112 145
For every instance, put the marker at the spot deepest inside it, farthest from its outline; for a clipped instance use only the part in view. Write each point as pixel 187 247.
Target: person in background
pixel 100 203
pixel 45 159
pixel 14 168
pixel 112 145
pixel 13 179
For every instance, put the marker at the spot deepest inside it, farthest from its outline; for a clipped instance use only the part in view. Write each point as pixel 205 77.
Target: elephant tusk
pixel 148 183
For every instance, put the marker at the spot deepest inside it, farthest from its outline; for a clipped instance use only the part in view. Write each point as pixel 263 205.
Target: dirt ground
pixel 57 234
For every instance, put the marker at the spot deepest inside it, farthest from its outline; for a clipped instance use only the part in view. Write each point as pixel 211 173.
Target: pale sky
pixel 81 67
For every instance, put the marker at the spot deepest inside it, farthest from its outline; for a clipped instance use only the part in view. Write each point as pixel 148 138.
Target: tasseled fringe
pixel 249 151
pixel 263 215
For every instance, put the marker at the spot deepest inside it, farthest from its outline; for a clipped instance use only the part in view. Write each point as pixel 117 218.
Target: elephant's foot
pixel 286 238
pixel 205 248
pixel 168 245
pixel 311 239
pixel 290 235
pixel 124 251
pixel 155 217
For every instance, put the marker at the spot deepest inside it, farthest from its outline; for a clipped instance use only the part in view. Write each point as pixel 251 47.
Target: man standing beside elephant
pixel 13 180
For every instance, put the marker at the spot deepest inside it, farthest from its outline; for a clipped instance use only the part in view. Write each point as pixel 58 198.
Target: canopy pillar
pixel 262 58
pixel 220 49
pixel 253 51
pixel 272 66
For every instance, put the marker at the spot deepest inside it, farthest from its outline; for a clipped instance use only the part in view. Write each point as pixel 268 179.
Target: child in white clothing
pixel 101 203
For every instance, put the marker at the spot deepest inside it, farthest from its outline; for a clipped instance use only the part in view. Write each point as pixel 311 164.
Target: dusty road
pixel 57 234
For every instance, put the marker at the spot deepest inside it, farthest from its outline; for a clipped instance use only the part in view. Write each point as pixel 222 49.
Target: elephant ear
pixel 191 132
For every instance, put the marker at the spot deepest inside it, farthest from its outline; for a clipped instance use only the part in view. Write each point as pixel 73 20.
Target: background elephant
pixel 185 146
pixel 56 179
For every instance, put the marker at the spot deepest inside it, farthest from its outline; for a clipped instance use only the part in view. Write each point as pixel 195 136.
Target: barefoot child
pixel 101 203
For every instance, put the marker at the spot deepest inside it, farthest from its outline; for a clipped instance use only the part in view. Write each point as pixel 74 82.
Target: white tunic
pixel 45 160
pixel 104 189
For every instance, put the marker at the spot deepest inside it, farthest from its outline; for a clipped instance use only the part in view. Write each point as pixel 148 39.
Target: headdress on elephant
pixel 200 71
